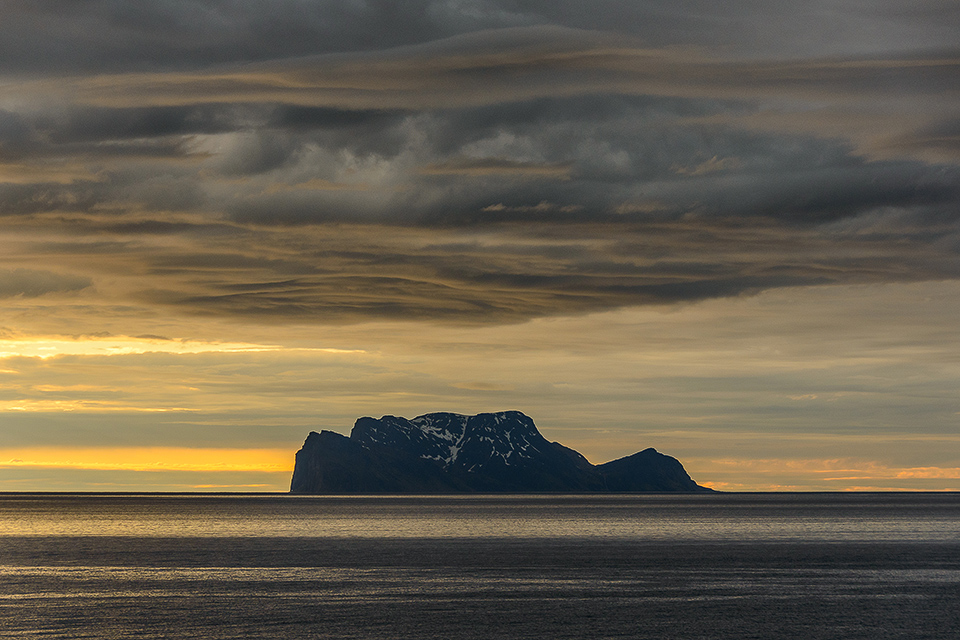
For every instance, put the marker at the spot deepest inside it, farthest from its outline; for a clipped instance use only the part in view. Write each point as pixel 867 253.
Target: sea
pixel 705 566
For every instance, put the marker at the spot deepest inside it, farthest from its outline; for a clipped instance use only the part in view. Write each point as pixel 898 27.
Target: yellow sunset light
pixel 52 346
pixel 149 458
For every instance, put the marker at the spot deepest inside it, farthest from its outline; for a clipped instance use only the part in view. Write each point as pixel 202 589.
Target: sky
pixel 728 231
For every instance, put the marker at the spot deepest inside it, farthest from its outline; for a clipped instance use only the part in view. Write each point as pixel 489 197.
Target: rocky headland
pixel 441 453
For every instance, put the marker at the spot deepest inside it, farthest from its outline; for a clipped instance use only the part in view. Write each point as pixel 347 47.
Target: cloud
pixel 837 470
pixel 49 346
pixel 485 167
pixel 930 472
pixel 317 184
pixel 481 386
pixel 486 275
pixel 42 37
pixel 511 259
pixel 938 141
pixel 701 382
pixel 709 166
pixel 493 163
pixel 29 283
pixel 519 64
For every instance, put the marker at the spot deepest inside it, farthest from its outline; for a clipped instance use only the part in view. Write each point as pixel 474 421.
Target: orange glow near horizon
pixel 149 458
pixel 833 474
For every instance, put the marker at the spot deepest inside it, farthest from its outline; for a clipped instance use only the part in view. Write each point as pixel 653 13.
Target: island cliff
pixel 452 453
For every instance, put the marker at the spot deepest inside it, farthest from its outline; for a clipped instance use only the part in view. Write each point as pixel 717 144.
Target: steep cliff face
pixel 453 453
pixel 333 464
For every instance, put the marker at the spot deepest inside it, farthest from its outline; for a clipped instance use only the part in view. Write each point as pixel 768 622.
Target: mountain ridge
pixel 484 453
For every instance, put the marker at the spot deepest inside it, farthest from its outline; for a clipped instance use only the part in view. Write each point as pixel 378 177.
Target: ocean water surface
pixel 812 566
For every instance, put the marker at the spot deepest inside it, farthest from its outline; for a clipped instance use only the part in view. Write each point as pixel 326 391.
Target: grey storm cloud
pixel 515 64
pixel 477 161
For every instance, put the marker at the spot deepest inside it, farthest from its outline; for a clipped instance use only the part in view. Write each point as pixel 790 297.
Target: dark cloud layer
pixel 64 36
pixel 473 161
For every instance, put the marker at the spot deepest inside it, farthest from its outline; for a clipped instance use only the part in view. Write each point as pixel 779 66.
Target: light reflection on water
pixel 931 517
pixel 213 567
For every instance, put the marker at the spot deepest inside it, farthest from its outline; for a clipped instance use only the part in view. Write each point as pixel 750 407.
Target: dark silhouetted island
pixel 441 453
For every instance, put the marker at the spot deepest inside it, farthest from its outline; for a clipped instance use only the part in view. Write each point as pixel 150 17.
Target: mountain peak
pixel 452 439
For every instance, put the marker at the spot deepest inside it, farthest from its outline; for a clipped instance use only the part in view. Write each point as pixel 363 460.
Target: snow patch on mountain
pixel 444 437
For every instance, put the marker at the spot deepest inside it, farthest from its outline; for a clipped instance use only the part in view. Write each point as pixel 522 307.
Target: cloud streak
pixel 526 63
pixel 29 283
